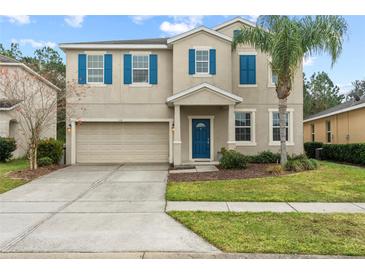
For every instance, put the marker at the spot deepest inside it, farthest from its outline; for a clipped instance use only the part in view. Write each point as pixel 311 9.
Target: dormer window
pixel 202 61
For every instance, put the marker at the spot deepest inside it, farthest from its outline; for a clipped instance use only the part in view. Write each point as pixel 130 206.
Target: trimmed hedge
pixel 45 161
pixel 50 148
pixel 265 157
pixel 310 148
pixel 7 147
pixel 232 159
pixel 351 153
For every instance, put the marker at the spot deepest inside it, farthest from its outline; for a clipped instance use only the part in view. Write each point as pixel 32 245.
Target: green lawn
pixel 285 233
pixel 330 183
pixel 7 183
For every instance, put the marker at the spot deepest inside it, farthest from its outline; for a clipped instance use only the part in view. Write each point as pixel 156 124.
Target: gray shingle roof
pixel 150 41
pixel 5 103
pixel 340 107
pixel 5 59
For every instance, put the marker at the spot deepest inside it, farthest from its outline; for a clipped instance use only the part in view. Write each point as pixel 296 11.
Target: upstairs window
pixel 95 68
pixel 140 67
pixel 247 63
pixel 202 61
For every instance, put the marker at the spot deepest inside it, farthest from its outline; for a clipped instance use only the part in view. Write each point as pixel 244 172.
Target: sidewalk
pixel 266 206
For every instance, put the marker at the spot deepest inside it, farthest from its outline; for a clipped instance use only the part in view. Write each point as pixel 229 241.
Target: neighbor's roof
pixel 6 61
pixel 344 107
pixel 6 104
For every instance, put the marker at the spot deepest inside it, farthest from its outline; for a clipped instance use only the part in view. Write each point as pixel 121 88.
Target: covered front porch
pixel 203 123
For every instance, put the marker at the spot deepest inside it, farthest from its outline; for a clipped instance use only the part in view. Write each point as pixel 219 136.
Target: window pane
pixel 202 67
pixel 276 119
pixel 243 119
pixel 140 76
pixel 243 134
pixel 276 134
pixel 274 78
pixel 140 61
pixel 202 55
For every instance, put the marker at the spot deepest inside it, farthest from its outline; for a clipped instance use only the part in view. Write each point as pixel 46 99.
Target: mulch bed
pixel 252 171
pixel 29 175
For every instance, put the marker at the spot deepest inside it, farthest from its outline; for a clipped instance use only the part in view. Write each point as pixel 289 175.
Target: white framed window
pixel 313 133
pixel 274 127
pixel 328 131
pixel 95 69
pixel 202 61
pixel 140 69
pixel 245 127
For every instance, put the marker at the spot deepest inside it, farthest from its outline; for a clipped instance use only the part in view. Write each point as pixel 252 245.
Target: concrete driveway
pixel 94 208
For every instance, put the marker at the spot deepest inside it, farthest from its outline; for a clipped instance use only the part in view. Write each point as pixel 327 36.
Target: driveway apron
pixel 94 208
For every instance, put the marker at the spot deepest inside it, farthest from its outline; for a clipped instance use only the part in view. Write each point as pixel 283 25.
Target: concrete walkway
pixel 267 206
pixel 95 209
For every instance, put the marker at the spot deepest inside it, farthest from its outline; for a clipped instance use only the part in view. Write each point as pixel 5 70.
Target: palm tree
pixel 287 40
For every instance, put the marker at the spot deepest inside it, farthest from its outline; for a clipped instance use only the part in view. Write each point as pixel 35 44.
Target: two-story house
pixel 177 100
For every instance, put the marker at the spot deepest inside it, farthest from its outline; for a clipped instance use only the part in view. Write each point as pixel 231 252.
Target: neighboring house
pixel 177 100
pixel 11 124
pixel 342 124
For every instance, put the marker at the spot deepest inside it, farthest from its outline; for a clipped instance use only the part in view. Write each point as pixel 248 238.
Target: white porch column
pixel 231 128
pixel 73 142
pixel 177 136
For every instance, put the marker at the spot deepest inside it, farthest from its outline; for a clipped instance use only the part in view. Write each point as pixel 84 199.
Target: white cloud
pixel 139 19
pixel 308 61
pixel 181 24
pixel 34 43
pixel 75 21
pixel 19 19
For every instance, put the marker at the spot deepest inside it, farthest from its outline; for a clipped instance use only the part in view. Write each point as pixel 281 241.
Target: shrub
pixel 7 146
pixel 50 148
pixel 45 161
pixel 275 170
pixel 310 148
pixel 265 157
pixel 232 159
pixel 300 163
pixel 351 153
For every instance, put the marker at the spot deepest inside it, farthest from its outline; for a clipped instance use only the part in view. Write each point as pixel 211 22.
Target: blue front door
pixel 201 138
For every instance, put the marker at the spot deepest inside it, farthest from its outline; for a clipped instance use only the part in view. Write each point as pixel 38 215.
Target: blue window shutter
pixel 247 69
pixel 153 69
pixel 212 62
pixel 82 69
pixel 191 61
pixel 108 69
pixel 127 75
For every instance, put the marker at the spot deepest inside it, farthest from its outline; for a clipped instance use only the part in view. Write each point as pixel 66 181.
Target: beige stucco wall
pixel 12 124
pixel 347 127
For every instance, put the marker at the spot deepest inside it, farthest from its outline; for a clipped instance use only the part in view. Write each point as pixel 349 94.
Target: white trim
pixel 87 69
pixel 32 72
pixel 202 75
pixel 253 127
pixel 140 52
pixel 232 21
pixel 336 112
pixel 211 118
pixel 290 141
pixel 113 46
pixel 140 85
pixel 248 86
pixel 198 29
pixel 247 53
pixel 126 120
pixel 220 91
pixel 94 52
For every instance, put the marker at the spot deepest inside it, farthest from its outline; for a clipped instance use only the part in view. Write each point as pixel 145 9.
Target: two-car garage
pixel 122 142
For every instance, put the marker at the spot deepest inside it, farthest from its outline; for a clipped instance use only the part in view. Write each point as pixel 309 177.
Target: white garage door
pixel 122 142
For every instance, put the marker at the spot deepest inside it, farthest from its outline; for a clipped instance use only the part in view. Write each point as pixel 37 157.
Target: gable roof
pixel 6 61
pixel 344 107
pixel 196 30
pixel 210 87
pixel 234 20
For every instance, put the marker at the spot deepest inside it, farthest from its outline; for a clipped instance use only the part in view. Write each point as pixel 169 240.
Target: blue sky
pixel 36 31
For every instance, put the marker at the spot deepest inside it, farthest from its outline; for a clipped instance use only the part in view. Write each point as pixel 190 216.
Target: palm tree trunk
pixel 282 117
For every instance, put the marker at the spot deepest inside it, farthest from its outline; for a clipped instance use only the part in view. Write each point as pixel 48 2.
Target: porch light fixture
pixel 173 127
pixel 69 128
